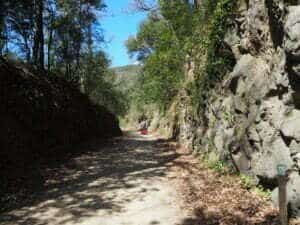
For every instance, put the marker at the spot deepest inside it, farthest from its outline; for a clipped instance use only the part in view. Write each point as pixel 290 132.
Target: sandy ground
pixel 127 183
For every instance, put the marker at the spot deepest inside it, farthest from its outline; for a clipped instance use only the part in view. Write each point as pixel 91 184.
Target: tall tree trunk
pixel 79 40
pixel 90 40
pixel 197 3
pixel 41 33
pixel 50 47
pixel 2 34
pixel 27 48
pixel 35 48
pixel 38 48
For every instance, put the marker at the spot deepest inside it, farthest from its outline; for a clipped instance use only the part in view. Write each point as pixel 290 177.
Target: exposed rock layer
pixel 254 119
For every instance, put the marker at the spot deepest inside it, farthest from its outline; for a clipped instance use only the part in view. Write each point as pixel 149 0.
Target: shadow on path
pixel 91 184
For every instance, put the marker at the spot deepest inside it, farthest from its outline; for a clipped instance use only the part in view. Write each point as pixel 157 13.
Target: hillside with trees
pixel 53 90
pixel 60 37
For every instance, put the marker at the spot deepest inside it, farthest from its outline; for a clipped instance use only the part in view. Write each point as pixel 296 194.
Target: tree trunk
pixel 38 48
pixel 50 47
pixel 2 34
pixel 197 3
pixel 27 48
pixel 79 38
pixel 41 33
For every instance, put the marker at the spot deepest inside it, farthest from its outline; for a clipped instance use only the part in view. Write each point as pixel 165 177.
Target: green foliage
pixel 124 80
pixel 156 45
pixel 229 117
pixel 179 33
pixel 262 192
pixel 212 161
pixel 179 15
pixel 218 60
pixel 249 183
pixel 68 32
pixel 161 78
pixel 97 84
pixel 220 167
pixel 65 29
pixel 129 70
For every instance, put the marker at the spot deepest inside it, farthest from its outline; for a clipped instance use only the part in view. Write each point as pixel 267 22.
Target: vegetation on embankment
pixel 64 38
pixel 40 112
pixel 184 58
pixel 178 37
pixel 41 116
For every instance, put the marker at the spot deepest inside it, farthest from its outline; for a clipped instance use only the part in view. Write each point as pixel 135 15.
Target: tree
pixel 159 49
pixel 60 36
pixel 51 22
pixel 2 25
pixel 18 25
pixel 38 45
pixel 55 32
pixel 75 33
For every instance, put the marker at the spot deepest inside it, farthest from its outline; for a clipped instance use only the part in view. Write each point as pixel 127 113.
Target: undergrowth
pixel 212 161
pixel 218 59
pixel 247 182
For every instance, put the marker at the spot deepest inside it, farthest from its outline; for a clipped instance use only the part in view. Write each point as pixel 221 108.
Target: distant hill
pixel 126 76
pixel 129 69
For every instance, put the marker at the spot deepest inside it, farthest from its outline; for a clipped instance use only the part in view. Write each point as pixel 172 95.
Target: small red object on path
pixel 144 132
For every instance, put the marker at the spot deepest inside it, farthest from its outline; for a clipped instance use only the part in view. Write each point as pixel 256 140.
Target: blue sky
pixel 118 25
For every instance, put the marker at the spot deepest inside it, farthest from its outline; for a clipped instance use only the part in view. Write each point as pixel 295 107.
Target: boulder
pixel 294 147
pixel 242 162
pixel 249 78
pixel 290 127
pixel 264 163
pixel 292 32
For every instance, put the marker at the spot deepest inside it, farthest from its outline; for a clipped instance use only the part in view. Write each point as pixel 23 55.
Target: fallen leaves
pixel 214 199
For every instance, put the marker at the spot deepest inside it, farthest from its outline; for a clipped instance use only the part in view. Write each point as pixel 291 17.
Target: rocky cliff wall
pixel 253 119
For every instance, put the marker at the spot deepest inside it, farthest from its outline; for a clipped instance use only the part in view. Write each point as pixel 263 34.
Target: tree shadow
pixel 205 217
pixel 83 185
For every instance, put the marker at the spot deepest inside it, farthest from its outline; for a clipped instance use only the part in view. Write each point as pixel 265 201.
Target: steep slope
pixel 39 113
pixel 126 77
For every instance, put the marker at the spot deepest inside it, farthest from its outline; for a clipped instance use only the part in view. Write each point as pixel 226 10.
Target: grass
pixel 212 161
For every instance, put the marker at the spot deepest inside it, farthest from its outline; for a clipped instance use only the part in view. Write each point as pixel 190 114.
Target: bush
pixel 250 184
pixel 247 182
pixel 212 161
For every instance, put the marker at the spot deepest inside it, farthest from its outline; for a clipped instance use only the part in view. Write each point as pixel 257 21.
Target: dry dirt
pixel 140 180
pixel 127 183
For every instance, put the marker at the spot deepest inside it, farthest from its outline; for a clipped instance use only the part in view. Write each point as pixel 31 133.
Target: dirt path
pixel 127 183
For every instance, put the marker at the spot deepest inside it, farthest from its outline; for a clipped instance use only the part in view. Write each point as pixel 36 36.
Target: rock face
pixel 254 122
